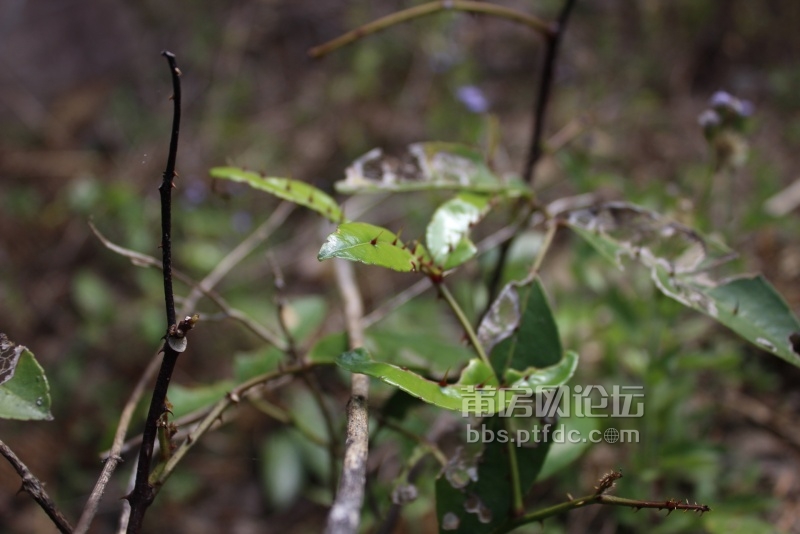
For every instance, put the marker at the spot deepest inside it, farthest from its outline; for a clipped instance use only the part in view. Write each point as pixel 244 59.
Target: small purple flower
pixel 473 98
pixel 723 102
pixel 722 99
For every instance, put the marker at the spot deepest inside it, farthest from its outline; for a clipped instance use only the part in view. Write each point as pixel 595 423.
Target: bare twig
pixel 485 8
pixel 143 260
pixel 552 42
pixel 33 487
pixel 345 514
pixel 535 149
pixel 309 379
pixel 416 289
pixel 114 456
pixel 235 256
pixel 143 493
pixel 233 397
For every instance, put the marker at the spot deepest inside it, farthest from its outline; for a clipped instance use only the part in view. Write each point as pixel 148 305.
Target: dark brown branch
pixel 33 487
pixel 552 43
pixel 552 40
pixel 143 493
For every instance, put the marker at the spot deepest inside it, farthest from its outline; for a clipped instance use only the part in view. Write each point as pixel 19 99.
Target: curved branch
pixel 383 23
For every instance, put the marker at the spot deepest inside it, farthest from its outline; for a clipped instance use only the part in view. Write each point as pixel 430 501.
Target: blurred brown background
pixel 85 121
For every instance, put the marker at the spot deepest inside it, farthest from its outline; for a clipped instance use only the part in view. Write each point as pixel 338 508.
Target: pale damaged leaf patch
pixel 519 331
pixel 427 166
pixel 9 357
pixel 688 267
pixel 24 391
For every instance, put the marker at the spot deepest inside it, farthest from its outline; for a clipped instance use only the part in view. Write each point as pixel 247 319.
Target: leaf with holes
pixel 475 496
pixel 519 331
pixel 295 191
pixel 425 167
pixel 447 235
pixel 686 266
pixel 373 245
pixel 24 391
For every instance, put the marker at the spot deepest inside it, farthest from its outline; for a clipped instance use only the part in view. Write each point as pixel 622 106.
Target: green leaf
pixel 476 390
pixel 519 331
pixel 749 306
pixel 426 351
pixel 447 235
pixel 281 469
pixel 295 191
pixel 478 499
pixel 24 391
pixel 328 348
pixel 685 266
pixel 428 166
pixel 373 245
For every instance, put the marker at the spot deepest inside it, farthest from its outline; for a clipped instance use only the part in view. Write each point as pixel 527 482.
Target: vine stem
pixel 399 17
pixel 462 318
pixel 513 465
pixel 552 228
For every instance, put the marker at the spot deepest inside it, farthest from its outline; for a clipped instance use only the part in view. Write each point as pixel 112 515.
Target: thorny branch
pixel 601 497
pixel 143 493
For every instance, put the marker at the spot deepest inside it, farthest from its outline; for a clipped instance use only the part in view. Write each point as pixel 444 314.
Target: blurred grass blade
pixel 24 391
pixel 685 266
pixel 295 191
